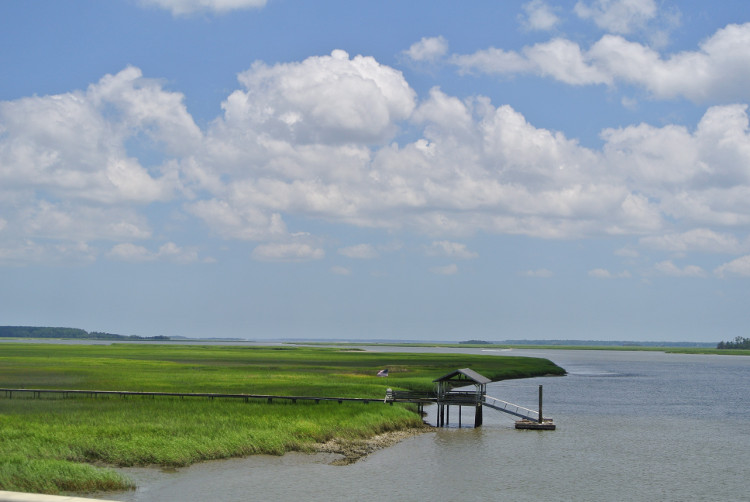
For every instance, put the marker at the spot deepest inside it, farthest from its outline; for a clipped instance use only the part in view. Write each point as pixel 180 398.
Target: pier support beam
pixel 540 404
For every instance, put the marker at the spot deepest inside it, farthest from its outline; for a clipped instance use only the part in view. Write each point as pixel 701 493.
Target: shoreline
pixel 353 450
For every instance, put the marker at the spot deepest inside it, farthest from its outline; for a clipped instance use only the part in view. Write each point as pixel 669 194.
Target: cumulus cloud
pixel 287 252
pixel 23 252
pixel 338 270
pixel 360 251
pixel 700 239
pixel 67 165
pixel 617 16
pixel 739 267
pixel 542 273
pixel 539 16
pixel 601 273
pixel 670 269
pixel 451 249
pixel 717 71
pixel 183 7
pixel 451 269
pixel 133 253
pixel 331 99
pixel 75 145
pixel 481 168
pixel 428 49
pixel 315 139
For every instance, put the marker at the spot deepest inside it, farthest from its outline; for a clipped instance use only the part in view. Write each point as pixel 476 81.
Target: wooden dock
pixel 65 393
pixel 444 397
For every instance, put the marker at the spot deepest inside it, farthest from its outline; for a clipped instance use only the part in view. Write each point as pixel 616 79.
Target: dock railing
pixel 513 409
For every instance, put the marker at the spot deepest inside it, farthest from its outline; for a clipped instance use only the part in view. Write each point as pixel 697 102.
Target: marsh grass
pixel 54 445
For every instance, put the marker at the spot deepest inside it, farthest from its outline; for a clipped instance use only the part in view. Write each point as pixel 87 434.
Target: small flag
pixel 383 373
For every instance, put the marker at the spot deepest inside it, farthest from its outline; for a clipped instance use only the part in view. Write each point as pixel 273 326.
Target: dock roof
pixel 466 372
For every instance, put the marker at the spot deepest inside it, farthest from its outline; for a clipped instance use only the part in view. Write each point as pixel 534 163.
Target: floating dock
pixel 545 425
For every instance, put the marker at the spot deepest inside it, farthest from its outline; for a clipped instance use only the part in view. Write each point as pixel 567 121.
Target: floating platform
pixel 546 425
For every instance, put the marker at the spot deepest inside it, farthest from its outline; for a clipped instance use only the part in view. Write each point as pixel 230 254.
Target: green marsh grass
pixel 54 445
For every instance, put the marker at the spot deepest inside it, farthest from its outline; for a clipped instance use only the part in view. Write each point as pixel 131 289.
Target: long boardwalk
pixel 445 397
pixel 37 393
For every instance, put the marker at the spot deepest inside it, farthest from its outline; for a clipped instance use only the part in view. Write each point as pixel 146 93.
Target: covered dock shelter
pixel 446 396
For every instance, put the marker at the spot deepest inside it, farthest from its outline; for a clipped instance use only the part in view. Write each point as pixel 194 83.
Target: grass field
pixel 54 445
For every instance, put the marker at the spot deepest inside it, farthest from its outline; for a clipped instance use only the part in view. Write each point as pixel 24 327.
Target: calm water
pixel 631 426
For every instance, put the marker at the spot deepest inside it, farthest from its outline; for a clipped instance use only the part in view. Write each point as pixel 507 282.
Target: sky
pixel 421 170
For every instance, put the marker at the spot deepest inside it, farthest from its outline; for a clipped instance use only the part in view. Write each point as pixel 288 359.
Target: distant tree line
pixel 738 343
pixel 46 332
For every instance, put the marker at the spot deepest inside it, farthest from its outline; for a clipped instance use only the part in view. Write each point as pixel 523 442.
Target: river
pixel 636 426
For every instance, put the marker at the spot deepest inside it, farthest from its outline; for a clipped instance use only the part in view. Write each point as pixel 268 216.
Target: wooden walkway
pixel 37 393
pixel 529 418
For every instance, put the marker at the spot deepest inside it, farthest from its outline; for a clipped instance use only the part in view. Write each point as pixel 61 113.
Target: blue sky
pixel 414 170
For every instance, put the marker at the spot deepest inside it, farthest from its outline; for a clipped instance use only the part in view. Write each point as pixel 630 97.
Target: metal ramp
pixel 530 419
pixel 513 409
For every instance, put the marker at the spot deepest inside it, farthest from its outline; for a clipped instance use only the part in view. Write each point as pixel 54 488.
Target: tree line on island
pixel 74 333
pixel 738 343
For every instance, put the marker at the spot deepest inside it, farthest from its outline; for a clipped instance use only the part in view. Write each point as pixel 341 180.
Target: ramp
pixel 510 408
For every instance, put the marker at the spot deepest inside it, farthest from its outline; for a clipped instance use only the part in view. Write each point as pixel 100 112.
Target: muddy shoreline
pixel 355 449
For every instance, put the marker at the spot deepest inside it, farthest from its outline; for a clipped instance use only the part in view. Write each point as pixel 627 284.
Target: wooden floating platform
pixel 546 425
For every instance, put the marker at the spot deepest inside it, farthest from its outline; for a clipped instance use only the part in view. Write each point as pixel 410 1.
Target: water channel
pixel 636 426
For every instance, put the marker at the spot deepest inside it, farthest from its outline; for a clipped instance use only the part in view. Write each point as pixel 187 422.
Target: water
pixel 630 426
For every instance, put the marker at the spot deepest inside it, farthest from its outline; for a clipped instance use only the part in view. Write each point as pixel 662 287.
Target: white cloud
pixel 276 154
pixel 66 165
pixel 30 251
pixel 718 71
pixel 669 268
pixel 739 267
pixel 450 249
pixel 130 252
pixel 618 16
pixel 338 270
pixel 287 252
pixel 627 253
pixel 601 273
pixel 700 239
pixel 542 273
pixel 559 58
pixel 238 219
pixel 183 7
pixel 428 49
pixel 481 168
pixel 74 145
pixel 360 251
pixel 451 269
pixel 539 16
pixel 493 61
pixel 323 99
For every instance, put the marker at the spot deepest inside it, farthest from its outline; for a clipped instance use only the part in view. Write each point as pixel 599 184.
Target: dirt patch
pixel 355 449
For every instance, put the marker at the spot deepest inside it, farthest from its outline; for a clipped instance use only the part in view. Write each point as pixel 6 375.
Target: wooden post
pixel 540 404
pixel 478 416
